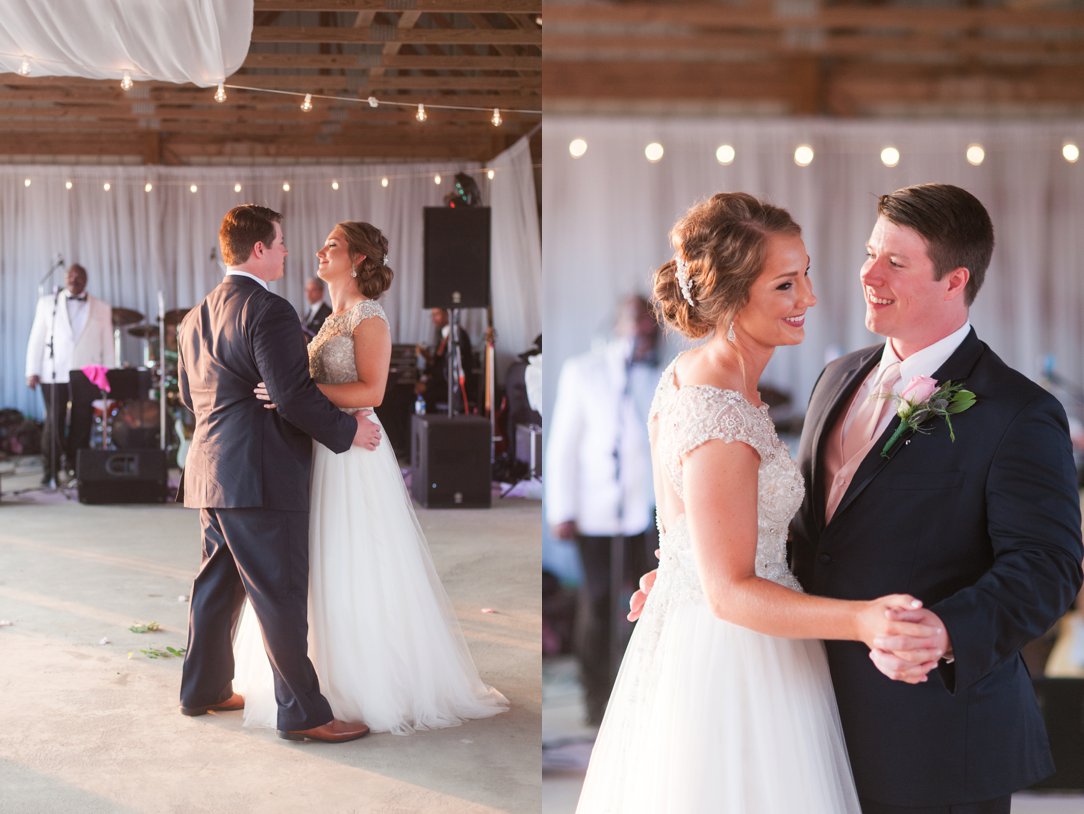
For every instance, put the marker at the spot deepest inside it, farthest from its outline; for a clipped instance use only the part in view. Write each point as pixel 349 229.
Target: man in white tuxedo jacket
pixel 79 330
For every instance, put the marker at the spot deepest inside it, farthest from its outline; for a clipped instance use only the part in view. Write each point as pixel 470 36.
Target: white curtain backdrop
pixel 197 41
pixel 135 243
pixel 608 213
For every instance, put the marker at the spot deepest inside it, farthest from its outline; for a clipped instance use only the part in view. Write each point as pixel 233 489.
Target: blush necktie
pixel 868 415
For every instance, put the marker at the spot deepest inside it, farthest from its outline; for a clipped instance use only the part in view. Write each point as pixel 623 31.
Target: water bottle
pixel 419 405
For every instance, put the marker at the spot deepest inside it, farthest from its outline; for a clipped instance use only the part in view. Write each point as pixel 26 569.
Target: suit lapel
pixel 956 368
pixel 843 385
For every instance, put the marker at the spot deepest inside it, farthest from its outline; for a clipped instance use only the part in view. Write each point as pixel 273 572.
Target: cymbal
pixel 126 316
pixel 144 331
pixel 175 316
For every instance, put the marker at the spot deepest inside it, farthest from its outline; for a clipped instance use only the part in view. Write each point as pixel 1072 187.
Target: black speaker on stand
pixel 457 251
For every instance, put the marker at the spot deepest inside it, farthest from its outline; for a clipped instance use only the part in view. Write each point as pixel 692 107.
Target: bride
pixel 723 702
pixel 383 637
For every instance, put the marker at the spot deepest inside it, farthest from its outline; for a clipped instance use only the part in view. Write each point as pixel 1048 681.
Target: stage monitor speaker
pixel 1062 703
pixel 121 476
pixel 449 458
pixel 456 257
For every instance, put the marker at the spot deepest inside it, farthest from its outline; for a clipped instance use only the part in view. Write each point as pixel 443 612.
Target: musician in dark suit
pixel 312 318
pixel 984 529
pixel 248 472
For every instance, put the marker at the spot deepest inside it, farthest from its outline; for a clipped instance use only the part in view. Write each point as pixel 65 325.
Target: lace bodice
pixel 690 416
pixel 331 352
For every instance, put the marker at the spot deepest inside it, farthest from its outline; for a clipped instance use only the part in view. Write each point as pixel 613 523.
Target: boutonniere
pixel 922 399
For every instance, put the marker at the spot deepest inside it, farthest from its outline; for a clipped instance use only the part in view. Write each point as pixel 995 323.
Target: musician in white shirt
pixel 71 330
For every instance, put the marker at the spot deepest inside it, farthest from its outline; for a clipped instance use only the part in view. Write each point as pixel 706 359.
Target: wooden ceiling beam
pixel 710 15
pixel 428 6
pixel 392 62
pixel 387 34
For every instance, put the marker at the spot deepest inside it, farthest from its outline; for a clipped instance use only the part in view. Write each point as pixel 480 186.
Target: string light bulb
pixel 653 152
pixel 384 181
pixel 26 182
pixel 193 188
pixel 307 104
pixel 126 82
pixel 975 154
pixel 107 186
pixel 436 179
pixel 24 69
pixel 496 118
pixel 286 186
pixel 421 115
pixel 372 101
pixel 890 156
pixel 220 94
pixel 491 174
pixel 725 155
pixel 577 147
pixel 147 187
pixel 803 155
pixel 1070 152
pixel 236 187
pixel 68 185
pixel 335 185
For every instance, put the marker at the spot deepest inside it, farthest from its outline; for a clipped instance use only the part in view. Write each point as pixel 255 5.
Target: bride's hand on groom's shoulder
pixel 637 600
pixel 909 640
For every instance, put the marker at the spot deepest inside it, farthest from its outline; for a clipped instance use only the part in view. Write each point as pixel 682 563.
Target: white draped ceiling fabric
pixel 135 243
pixel 197 41
pixel 608 214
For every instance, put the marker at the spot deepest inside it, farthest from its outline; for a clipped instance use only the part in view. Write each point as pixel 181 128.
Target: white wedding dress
pixel 383 636
pixel 707 716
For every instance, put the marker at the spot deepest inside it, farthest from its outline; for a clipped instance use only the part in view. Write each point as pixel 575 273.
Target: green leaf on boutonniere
pixel 946 400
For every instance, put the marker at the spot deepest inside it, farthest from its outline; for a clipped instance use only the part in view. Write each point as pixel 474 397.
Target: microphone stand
pixel 54 458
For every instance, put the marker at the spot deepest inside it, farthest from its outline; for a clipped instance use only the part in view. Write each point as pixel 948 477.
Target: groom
pixel 247 472
pixel 985 530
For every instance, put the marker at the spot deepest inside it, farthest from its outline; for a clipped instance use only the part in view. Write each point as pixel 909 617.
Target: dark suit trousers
pixel 999 805
pixel 265 554
pixel 54 436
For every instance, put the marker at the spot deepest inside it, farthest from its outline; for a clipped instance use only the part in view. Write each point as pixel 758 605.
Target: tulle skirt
pixel 707 716
pixel 383 637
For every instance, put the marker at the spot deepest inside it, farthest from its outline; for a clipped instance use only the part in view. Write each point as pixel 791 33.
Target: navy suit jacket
pixel 243 455
pixel 986 532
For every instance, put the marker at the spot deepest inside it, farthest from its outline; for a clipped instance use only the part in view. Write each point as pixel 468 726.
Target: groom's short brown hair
pixel 242 228
pixel 954 224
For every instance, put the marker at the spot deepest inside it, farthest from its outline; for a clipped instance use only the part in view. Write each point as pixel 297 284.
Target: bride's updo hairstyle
pixel 721 242
pixel 373 275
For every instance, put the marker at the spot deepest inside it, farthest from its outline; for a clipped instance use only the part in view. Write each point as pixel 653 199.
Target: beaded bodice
pixel 331 352
pixel 693 415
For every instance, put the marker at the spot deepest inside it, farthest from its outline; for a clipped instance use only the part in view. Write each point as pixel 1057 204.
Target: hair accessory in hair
pixel 681 271
pixel 385 260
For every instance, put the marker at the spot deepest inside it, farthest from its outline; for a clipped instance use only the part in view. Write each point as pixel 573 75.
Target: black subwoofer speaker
pixel 1062 703
pixel 121 476
pixel 456 257
pixel 449 460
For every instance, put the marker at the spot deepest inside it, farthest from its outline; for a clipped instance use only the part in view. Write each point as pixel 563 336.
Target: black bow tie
pixel 79 298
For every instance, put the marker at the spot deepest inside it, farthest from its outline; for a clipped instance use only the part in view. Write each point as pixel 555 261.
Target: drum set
pixel 142 405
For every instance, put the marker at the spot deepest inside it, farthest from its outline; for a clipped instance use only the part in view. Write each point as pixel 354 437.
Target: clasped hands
pixel 906 640
pixel 367 435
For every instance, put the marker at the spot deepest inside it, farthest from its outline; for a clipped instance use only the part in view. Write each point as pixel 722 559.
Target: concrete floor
pixel 89 727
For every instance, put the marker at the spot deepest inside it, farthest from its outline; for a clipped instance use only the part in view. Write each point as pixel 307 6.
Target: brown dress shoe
pixel 231 704
pixel 332 732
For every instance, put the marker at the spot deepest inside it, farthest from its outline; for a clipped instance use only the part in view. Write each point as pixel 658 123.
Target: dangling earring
pixel 354 273
pixel 730 335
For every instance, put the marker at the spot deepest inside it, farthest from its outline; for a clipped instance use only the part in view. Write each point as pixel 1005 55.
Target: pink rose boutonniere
pixel 922 399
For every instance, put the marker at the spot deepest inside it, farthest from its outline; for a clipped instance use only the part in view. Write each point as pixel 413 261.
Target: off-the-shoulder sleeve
pixel 697 415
